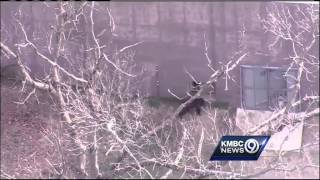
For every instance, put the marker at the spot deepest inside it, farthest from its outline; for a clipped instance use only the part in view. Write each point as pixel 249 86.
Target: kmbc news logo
pixel 240 148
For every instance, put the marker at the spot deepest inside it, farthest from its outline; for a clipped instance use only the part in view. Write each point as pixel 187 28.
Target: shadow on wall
pixel 11 72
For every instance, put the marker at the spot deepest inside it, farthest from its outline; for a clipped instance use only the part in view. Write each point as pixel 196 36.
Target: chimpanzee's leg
pixel 199 102
pixel 183 111
pixel 198 109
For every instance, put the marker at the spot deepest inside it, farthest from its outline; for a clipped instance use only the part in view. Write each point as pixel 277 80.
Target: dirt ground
pixel 23 146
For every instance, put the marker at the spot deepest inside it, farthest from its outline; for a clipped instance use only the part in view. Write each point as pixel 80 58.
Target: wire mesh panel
pixel 266 88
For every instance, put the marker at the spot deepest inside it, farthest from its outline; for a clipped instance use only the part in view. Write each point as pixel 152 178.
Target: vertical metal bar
pixel 241 89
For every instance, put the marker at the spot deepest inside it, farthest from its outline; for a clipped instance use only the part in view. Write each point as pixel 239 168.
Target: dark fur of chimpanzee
pixel 195 105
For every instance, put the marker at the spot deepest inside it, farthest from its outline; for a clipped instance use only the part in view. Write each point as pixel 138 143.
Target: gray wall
pixel 173 35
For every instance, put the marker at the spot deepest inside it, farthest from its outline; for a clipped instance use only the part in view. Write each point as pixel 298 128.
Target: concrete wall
pixel 173 35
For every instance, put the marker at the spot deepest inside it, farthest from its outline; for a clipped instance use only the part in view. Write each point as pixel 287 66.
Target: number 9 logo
pixel 251 146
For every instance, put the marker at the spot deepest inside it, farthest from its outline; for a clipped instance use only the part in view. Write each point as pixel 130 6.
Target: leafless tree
pixel 102 122
pixel 293 28
pixel 297 25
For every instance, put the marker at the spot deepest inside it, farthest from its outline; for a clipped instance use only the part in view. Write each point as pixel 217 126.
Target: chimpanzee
pixel 196 104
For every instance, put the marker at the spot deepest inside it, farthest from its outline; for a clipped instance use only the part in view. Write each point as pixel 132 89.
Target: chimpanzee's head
pixel 195 84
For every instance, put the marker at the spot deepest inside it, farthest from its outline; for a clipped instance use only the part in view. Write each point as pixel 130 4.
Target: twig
pixel 115 66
